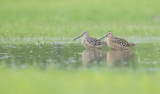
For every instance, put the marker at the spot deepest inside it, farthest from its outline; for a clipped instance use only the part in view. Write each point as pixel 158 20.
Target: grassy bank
pixel 77 82
pixel 61 18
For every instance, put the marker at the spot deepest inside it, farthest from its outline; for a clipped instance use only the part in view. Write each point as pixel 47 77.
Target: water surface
pixel 73 56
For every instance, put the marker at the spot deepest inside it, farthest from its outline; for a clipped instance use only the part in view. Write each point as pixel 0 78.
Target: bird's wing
pixel 93 41
pixel 121 42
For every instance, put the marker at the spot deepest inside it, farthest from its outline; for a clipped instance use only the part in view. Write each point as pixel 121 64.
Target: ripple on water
pixel 67 54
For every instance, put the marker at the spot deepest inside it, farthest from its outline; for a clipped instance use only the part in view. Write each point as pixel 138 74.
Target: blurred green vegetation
pixel 33 81
pixel 68 18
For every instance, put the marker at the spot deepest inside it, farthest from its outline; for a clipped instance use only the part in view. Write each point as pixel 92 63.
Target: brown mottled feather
pixel 90 42
pixel 117 43
pixel 121 42
pixel 94 42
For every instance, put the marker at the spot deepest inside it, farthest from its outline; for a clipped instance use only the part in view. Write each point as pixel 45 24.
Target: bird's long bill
pixel 77 37
pixel 102 38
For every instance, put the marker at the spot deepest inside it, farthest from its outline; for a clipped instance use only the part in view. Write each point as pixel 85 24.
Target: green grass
pixel 45 19
pixel 69 18
pixel 33 81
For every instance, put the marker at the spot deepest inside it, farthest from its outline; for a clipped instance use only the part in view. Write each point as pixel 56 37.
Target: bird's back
pixel 119 43
pixel 94 43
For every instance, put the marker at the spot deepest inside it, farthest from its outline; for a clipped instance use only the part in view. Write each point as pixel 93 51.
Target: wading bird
pixel 90 42
pixel 117 43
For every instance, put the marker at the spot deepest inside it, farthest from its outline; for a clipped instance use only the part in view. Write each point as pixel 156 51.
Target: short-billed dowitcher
pixel 117 43
pixel 90 42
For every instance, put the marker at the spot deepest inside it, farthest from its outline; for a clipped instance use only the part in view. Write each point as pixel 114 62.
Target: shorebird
pixel 117 43
pixel 90 42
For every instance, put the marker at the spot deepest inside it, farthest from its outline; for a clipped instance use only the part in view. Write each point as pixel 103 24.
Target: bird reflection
pixel 89 56
pixel 119 57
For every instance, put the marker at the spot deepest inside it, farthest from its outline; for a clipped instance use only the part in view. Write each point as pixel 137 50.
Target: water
pixel 73 56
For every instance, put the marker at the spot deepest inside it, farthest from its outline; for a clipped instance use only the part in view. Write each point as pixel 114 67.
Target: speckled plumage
pixel 117 43
pixel 90 42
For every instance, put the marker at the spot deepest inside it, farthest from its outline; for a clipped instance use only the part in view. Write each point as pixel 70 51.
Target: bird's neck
pixel 109 37
pixel 84 37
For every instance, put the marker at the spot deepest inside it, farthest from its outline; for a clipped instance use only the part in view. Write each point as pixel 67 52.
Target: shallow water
pixel 73 56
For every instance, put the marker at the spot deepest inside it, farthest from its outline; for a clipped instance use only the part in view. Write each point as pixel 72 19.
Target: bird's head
pixel 107 35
